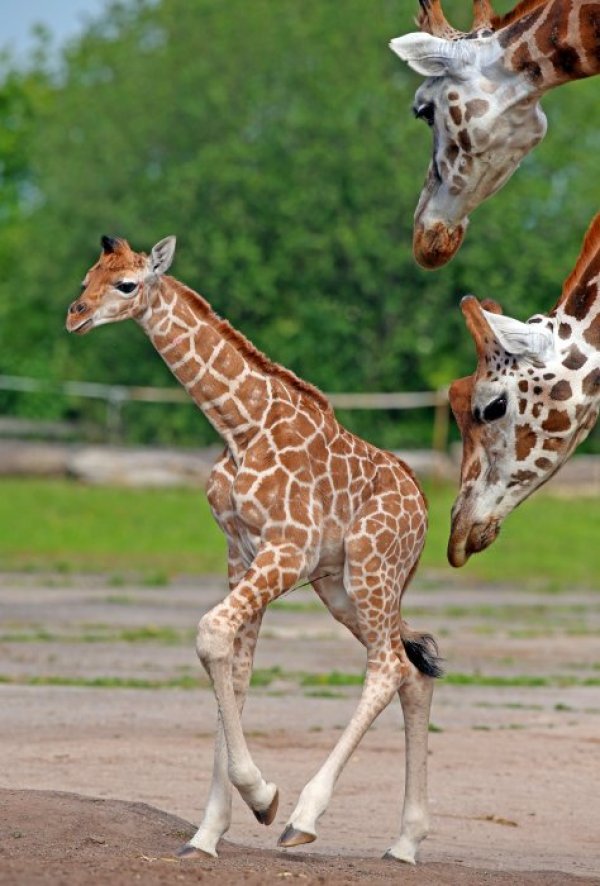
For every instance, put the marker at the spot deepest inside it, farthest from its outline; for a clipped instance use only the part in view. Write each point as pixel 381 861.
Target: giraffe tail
pixel 422 651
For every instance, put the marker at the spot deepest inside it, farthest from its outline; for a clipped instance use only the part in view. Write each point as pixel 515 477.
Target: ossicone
pixel 110 244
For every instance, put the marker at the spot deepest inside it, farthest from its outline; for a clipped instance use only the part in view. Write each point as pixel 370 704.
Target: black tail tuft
pixel 423 653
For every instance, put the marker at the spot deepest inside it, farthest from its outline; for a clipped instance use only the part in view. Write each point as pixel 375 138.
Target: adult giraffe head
pixel 533 398
pixel 480 98
pixel 119 285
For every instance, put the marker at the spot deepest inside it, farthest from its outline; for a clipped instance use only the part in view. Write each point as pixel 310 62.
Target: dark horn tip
pixel 109 244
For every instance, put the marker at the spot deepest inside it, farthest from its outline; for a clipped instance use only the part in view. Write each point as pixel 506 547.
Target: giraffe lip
pixel 473 539
pixel 83 327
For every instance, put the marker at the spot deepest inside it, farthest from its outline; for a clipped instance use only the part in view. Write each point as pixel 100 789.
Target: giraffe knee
pixel 214 639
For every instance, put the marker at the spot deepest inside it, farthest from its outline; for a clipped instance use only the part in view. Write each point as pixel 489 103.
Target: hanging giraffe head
pixel 119 285
pixel 480 99
pixel 533 398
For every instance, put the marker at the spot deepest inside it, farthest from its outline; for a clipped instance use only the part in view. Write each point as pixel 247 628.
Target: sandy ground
pixel 514 770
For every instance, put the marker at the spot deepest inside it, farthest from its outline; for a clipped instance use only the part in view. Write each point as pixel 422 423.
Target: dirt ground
pixel 514 774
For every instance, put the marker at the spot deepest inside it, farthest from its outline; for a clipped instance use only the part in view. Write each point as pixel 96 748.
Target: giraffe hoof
pixel 291 837
pixel 189 851
pixel 266 816
pixel 391 857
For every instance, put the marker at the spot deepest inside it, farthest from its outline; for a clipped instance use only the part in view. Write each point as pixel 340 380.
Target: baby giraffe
pixel 299 498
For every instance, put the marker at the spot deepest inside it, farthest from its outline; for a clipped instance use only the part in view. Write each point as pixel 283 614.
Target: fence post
pixel 441 422
pixel 114 414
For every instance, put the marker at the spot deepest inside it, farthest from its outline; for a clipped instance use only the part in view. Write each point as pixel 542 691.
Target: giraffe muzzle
pixel 435 245
pixel 76 321
pixel 466 539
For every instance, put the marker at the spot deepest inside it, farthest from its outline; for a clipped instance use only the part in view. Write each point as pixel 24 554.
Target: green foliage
pixel 276 141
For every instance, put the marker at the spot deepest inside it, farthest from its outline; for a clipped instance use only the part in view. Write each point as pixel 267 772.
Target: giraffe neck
pixel 576 317
pixel 558 41
pixel 231 382
pixel 577 312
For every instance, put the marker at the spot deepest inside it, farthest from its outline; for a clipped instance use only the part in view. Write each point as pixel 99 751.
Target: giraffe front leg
pixel 217 815
pixel 415 696
pixel 275 569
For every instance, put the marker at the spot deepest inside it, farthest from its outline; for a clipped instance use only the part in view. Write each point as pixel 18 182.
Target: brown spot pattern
pixel 558 420
pixel 456 114
pixel 564 330
pixel 561 390
pixel 592 333
pixel 476 107
pixel 464 140
pixel 591 383
pixel 525 441
pixel 574 359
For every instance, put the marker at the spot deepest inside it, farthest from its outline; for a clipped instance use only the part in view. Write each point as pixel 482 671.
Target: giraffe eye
pixel 496 409
pixel 126 288
pixel 425 112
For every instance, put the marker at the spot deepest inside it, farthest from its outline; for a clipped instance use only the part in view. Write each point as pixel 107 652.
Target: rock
pixel 20 458
pixel 120 466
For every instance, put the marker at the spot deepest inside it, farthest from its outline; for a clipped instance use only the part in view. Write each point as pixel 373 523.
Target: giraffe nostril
pixel 78 308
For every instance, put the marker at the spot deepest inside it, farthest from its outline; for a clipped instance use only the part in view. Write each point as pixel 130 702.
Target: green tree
pixel 275 139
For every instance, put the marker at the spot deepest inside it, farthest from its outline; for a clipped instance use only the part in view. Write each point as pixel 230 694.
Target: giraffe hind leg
pixel 382 550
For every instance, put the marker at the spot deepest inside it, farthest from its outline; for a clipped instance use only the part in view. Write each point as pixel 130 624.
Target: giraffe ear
pixel 489 328
pixel 162 255
pixel 434 56
pixel 530 341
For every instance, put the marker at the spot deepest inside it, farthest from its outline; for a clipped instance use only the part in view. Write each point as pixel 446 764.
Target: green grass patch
pixel 265 677
pixel 333 678
pixel 546 542
pixel 162 636
pixel 61 526
pixel 297 606
pixel 516 680
pixel 181 682
pixel 55 525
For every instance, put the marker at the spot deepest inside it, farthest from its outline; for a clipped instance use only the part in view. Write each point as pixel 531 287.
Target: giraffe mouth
pixel 83 327
pixel 473 540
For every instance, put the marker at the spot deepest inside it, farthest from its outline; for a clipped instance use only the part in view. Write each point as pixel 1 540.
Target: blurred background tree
pixel 275 139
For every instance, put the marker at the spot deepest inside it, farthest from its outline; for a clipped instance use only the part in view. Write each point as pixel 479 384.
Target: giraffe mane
pixel 248 350
pixel 588 262
pixel 524 7
pixel 496 22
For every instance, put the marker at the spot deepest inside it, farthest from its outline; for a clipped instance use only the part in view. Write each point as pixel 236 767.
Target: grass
pixel 264 678
pixel 182 682
pixel 161 636
pixel 61 526
pixel 547 542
